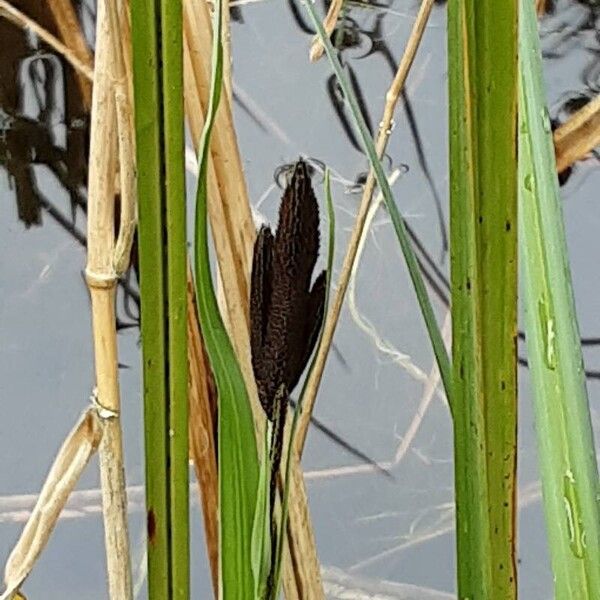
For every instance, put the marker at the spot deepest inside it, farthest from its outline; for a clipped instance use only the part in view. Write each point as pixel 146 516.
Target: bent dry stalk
pixel 286 313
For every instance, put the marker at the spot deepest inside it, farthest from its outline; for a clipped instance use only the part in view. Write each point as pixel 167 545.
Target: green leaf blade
pixel 563 425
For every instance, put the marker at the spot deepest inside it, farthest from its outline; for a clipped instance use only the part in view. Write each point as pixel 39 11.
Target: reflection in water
pixel 44 125
pixel 35 95
pixel 349 35
pixel 568 26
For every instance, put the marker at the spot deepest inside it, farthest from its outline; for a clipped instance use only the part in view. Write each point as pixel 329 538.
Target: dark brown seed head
pixel 285 312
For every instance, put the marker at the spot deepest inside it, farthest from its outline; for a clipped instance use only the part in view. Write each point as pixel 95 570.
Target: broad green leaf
pixel 565 439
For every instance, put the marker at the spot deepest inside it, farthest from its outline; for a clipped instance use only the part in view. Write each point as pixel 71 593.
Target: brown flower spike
pixel 285 311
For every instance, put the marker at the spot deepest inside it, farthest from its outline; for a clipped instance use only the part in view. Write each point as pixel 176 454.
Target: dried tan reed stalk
pixel 123 95
pixel 385 130
pixel 329 23
pixel 227 52
pixel 540 7
pixel 72 458
pixel 103 420
pixel 229 211
pixel 576 138
pixel 101 277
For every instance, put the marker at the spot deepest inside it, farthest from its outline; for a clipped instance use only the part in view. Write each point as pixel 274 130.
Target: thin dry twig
pixel 577 137
pixel 392 97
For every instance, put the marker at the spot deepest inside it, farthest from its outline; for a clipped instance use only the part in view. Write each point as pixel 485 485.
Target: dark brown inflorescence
pixel 285 311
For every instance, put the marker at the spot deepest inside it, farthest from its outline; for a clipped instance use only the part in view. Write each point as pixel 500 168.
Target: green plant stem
pixel 298 409
pixel 482 63
pixel 158 85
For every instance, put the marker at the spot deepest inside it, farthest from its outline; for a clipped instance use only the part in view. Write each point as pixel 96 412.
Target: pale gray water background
pixel 46 363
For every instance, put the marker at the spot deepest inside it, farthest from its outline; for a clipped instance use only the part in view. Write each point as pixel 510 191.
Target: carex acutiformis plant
pixel 286 311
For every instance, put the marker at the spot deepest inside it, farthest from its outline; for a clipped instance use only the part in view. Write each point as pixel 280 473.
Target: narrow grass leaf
pixel 261 531
pixel 431 324
pixel 238 460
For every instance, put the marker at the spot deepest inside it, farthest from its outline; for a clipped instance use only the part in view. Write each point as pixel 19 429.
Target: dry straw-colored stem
pixel 99 425
pixel 329 23
pixel 229 210
pixel 385 129
pixel 125 127
pixel 227 52
pixel 540 7
pixel 577 137
pixel 22 20
pixel 69 29
pixel 102 278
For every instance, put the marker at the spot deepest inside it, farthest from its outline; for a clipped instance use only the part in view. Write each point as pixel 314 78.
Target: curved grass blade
pixel 238 460
pixel 563 425
pixel 298 409
pixel 433 329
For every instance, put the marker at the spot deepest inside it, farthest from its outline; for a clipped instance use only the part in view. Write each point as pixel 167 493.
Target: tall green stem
pixel 158 85
pixel 482 64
